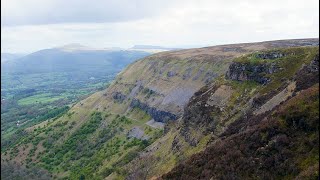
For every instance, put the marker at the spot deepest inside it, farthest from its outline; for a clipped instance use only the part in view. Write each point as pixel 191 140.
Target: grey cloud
pixel 35 12
pixel 127 23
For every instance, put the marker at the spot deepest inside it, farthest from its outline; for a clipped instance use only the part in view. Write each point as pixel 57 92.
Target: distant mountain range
pixel 152 49
pixel 72 57
pixel 55 58
pixel 5 57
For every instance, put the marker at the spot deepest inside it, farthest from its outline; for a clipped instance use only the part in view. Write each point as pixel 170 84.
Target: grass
pixel 39 98
pixel 289 64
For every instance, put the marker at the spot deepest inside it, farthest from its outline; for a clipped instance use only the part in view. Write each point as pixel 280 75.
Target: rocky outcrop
pixel 171 73
pixel 210 111
pixel 277 99
pixel 309 72
pixel 137 87
pixel 137 132
pixel 268 140
pixel 187 73
pixel 220 97
pixel 270 55
pixel 156 114
pixel 272 147
pixel 197 117
pixel 199 73
pixel 255 72
pixel 118 96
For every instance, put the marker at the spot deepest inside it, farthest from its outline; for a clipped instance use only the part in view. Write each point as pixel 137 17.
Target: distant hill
pixel 5 57
pixel 73 58
pixel 151 48
pixel 148 47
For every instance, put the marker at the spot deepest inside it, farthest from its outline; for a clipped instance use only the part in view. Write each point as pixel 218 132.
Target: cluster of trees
pixel 19 133
pixel 84 152
pixel 73 144
pixel 137 142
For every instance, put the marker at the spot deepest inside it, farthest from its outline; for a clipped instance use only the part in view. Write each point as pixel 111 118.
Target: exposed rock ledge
pixel 277 99
pixel 245 71
pixel 270 55
pixel 118 96
pixel 157 115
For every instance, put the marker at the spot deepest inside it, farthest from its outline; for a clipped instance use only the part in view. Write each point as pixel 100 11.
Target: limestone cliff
pixel 163 83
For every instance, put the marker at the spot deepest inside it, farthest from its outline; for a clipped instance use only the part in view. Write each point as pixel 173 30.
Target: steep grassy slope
pixel 283 144
pixel 110 135
pixel 274 132
pixel 253 84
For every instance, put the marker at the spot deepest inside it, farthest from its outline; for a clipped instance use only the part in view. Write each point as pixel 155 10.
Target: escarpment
pixel 165 82
pixel 157 115
pixel 259 140
pixel 284 74
pixel 212 110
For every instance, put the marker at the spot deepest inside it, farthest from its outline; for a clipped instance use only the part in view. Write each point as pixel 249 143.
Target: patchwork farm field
pixel 39 98
pixel 28 99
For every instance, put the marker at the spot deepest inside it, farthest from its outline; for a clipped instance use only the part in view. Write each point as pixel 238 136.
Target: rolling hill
pixel 72 58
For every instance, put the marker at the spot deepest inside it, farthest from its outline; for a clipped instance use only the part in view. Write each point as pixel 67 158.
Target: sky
pixel 31 25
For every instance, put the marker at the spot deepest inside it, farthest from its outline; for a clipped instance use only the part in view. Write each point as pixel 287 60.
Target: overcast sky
pixel 30 25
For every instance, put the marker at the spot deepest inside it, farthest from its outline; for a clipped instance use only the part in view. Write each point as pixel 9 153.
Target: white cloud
pixel 187 22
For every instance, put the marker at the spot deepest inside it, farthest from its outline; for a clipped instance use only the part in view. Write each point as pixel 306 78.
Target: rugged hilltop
pixel 251 90
pixel 163 83
pixel 163 109
pixel 274 128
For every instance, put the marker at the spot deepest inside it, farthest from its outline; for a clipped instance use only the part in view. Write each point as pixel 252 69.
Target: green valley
pixel 35 87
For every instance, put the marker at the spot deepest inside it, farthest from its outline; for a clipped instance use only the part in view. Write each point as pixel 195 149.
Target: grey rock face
pixel 187 74
pixel 118 96
pixel 164 68
pixel 155 124
pixel 136 89
pixel 171 73
pixel 270 55
pixel 157 115
pixel 153 66
pixel 244 72
pixel 314 65
pixel 308 75
pixel 199 73
pixel 138 133
pixel 179 96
